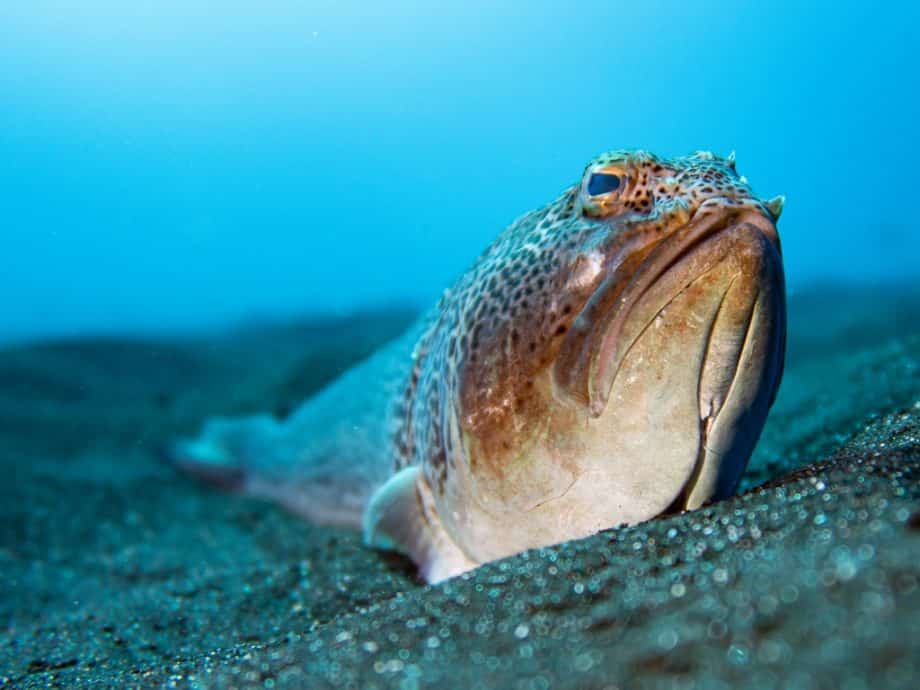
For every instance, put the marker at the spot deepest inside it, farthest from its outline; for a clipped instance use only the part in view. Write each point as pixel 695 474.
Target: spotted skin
pixel 506 319
pixel 485 429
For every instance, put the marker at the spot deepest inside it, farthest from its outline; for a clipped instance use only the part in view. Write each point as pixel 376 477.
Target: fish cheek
pixel 514 435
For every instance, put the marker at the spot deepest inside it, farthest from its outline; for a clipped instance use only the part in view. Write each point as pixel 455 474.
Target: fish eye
pixel 603 183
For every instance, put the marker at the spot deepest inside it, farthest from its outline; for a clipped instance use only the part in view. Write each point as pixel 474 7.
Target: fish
pixel 610 358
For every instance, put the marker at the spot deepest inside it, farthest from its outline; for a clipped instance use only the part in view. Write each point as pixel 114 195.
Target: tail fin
pixel 251 456
pixel 225 451
pixel 328 457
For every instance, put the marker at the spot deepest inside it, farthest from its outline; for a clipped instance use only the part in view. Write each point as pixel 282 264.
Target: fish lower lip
pixel 597 348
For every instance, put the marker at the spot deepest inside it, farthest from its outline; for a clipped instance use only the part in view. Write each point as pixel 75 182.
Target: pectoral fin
pixel 401 516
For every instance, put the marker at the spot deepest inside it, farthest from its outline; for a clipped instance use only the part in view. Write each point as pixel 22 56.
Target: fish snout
pixel 720 237
pixel 683 359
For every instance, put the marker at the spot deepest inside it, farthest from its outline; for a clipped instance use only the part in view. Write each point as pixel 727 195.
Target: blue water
pixel 176 164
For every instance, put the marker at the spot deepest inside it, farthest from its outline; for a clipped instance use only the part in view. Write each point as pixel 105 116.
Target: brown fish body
pixel 608 358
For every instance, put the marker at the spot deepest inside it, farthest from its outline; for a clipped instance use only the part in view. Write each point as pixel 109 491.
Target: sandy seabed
pixel 119 573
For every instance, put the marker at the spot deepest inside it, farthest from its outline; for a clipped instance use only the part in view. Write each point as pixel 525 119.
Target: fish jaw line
pixel 700 369
pixel 607 345
pixel 740 377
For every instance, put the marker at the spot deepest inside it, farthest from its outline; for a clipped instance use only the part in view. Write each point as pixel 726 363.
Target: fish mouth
pixel 689 335
pixel 609 324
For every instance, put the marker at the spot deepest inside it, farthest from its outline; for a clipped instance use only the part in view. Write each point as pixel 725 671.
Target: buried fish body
pixel 609 358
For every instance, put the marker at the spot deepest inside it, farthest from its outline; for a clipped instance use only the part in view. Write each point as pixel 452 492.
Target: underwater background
pixel 178 164
pixel 217 208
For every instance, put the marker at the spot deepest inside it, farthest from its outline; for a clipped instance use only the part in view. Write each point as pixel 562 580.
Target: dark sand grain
pixel 119 573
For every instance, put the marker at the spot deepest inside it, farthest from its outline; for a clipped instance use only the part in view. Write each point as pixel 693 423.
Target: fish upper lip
pixel 592 375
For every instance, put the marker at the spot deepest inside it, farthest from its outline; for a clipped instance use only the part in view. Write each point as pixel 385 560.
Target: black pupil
pixel 603 183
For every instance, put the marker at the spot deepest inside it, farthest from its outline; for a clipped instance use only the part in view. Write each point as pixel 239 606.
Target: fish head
pixel 615 355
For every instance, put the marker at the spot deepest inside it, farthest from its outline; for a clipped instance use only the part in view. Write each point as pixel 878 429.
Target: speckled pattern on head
pixel 507 318
pixel 609 358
